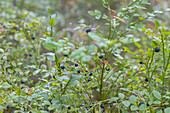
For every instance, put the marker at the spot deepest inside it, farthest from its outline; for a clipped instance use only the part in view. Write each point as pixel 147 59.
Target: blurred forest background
pixel 69 12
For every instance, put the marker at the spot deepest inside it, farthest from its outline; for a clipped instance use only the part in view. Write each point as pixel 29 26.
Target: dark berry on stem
pixel 54 77
pixel 88 30
pixel 89 80
pixel 50 100
pixel 33 37
pixel 141 103
pixel 78 71
pixel 102 106
pixel 22 82
pixel 87 71
pixel 7 106
pixel 81 105
pixel 65 55
pixel 101 56
pixel 91 74
pixel 90 106
pixel 157 49
pixel 76 64
pixel 62 67
pixel 146 79
pixel 69 107
pixel 141 62
pixel 30 54
pixel 147 104
pixel 107 69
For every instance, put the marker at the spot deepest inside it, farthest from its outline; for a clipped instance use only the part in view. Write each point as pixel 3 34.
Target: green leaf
pixel 91 13
pixel 157 23
pixel 141 18
pixel 132 99
pixel 137 44
pixel 14 64
pixel 167 110
pixel 133 108
pixel 157 102
pixel 78 52
pixel 113 99
pixel 49 11
pixel 52 22
pixel 121 95
pixel 42 111
pixel 17 69
pixel 156 94
pixel 124 111
pixel 34 111
pixel 26 14
pixel 1 50
pixel 10 71
pixel 50 45
pixel 101 42
pixel 86 58
pixel 98 14
pixel 5 85
pixel 160 111
pixel 57 34
pixel 36 72
pixel 142 107
pixel 126 103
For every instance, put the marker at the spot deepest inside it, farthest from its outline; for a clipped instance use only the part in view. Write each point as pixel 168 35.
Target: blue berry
pixel 76 64
pixel 9 83
pixel 90 106
pixel 78 71
pixel 115 52
pixel 33 37
pixel 65 55
pixel 88 30
pixel 102 106
pixel 30 54
pixel 54 77
pixel 89 80
pixel 7 106
pixel 62 67
pixel 141 103
pixel 107 69
pixel 87 71
pixel 101 56
pixel 69 107
pixel 81 105
pixel 157 49
pixel 146 79
pixel 141 62
pixel 91 74
pixel 50 100
pixel 22 82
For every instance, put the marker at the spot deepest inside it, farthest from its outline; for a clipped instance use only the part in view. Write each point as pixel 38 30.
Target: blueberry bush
pixel 115 65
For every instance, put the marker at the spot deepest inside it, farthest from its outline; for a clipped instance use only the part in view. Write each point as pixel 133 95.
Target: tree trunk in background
pixel 22 4
pixel 14 2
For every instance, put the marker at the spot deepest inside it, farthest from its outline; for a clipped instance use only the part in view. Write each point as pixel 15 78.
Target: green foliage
pixel 40 75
